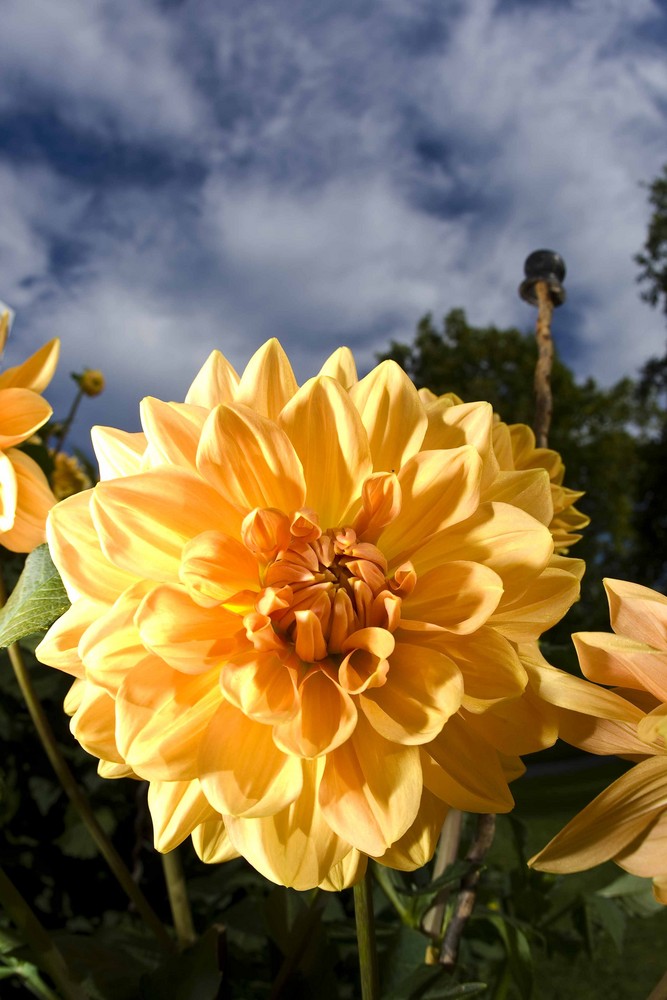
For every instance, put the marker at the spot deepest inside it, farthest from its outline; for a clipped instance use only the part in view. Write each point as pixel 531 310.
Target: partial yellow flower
pixel 627 823
pixel 295 613
pixel 25 496
pixel 515 449
pixel 68 476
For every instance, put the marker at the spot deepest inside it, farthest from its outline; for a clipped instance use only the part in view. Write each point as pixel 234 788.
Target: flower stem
pixel 178 898
pixel 46 954
pixel 79 801
pixel 365 921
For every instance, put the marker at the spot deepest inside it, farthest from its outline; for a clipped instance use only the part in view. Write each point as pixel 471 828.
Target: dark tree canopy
pixel 589 429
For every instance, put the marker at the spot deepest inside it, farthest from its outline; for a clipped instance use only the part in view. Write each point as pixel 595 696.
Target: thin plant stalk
pixel 78 800
pixel 68 421
pixel 365 921
pixel 46 954
pixel 178 898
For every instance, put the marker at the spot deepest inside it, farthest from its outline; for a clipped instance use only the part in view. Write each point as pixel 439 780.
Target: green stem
pixel 79 801
pixel 67 422
pixel 44 951
pixel 389 889
pixel 177 891
pixel 365 921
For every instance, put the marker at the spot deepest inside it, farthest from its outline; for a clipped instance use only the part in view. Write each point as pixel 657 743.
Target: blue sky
pixel 188 174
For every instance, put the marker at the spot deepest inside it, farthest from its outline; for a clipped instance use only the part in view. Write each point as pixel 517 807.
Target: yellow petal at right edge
pixel 611 822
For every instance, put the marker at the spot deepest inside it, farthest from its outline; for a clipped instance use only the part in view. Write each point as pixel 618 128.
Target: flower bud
pixel 91 382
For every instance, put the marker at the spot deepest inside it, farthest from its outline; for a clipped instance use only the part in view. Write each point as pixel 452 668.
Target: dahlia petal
pixel 250 460
pixel 93 724
pixel 326 718
pixel 417 845
pixel 370 790
pixel 261 685
pixel 228 767
pixel 528 489
pixel 504 538
pixel 660 889
pixel 613 659
pixel 458 596
pixel 144 521
pixel 332 444
pixel 340 365
pixel 75 548
pixel 34 500
pixel 161 717
pixel 22 413
pixel 519 726
pixel 645 856
pixel 216 382
pixel 424 688
pixel 381 503
pixel 172 431
pixel 611 822
pixel 451 426
pixel 8 493
pixel 392 413
pixel 294 847
pixel 544 604
pixel 36 372
pixel 187 636
pixel 215 567
pixel 346 873
pixel 465 771
pixel 489 664
pixel 638 613
pixel 109 769
pixel 176 808
pixel 268 382
pixel 211 842
pixel 118 453
pixel 111 644
pixel 59 647
pixel 438 489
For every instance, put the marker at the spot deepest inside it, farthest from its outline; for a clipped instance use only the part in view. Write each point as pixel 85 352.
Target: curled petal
pixel 381 504
pixel 215 567
pixel 326 718
pixel 8 493
pixel 613 659
pixel 453 424
pixel 59 647
pixel 34 500
pixel 544 604
pixel 261 685
pixel 458 596
pixel 93 724
pixel 36 372
pixel 424 688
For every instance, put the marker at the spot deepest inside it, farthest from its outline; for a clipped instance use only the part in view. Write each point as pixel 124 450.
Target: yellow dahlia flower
pixel 295 615
pixel 627 823
pixel 515 448
pixel 25 496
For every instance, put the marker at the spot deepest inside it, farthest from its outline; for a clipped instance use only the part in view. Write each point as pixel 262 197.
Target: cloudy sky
pixel 178 175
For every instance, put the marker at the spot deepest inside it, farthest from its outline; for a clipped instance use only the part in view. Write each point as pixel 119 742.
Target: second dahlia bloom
pixel 627 823
pixel 295 614
pixel 25 495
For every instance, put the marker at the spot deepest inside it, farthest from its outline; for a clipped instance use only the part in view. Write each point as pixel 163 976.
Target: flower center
pixel 322 587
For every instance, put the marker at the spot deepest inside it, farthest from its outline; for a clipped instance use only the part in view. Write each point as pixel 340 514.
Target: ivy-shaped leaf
pixel 38 599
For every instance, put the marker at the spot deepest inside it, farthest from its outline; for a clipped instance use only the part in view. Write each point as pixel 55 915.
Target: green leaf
pixel 38 599
pixel 192 975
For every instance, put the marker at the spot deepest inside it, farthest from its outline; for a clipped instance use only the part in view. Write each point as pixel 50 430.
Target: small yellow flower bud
pixel 68 477
pixel 91 382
